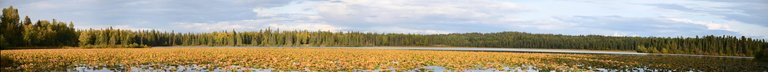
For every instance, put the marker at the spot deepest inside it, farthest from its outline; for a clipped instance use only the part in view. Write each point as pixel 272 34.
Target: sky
pixel 659 18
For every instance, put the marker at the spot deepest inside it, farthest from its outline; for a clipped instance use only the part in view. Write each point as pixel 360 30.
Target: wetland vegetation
pixel 115 49
pixel 17 33
pixel 347 59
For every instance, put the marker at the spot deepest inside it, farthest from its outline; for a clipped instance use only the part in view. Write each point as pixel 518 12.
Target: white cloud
pixel 735 26
pixel 254 25
pixel 306 26
pixel 400 11
pixel 406 30
pixel 365 15
pixel 709 25
pixel 439 16
pixel 622 18
pixel 122 27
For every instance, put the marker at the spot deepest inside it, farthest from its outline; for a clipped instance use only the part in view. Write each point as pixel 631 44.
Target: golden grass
pixel 345 59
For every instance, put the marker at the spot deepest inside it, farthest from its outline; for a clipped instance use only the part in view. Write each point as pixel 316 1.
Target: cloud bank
pixel 574 17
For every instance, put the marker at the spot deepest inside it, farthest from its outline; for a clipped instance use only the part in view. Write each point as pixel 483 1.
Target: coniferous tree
pixel 762 55
pixel 57 33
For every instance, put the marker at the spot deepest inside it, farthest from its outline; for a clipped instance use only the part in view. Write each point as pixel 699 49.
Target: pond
pixel 531 50
pixel 356 59
pixel 445 48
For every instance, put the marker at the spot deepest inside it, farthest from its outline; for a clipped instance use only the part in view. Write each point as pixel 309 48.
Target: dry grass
pixel 331 59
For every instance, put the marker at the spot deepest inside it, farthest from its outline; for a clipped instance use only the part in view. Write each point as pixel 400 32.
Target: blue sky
pixel 574 17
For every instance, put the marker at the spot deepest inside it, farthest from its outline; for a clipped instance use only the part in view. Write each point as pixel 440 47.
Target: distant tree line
pixel 53 33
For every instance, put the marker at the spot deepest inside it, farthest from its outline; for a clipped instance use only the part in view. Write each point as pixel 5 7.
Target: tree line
pixel 40 33
pixel 16 33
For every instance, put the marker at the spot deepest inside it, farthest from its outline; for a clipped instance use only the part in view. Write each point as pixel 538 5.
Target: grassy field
pixel 332 59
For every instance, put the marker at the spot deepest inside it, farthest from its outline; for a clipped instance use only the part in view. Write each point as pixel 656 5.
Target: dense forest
pixel 17 33
pixel 40 33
